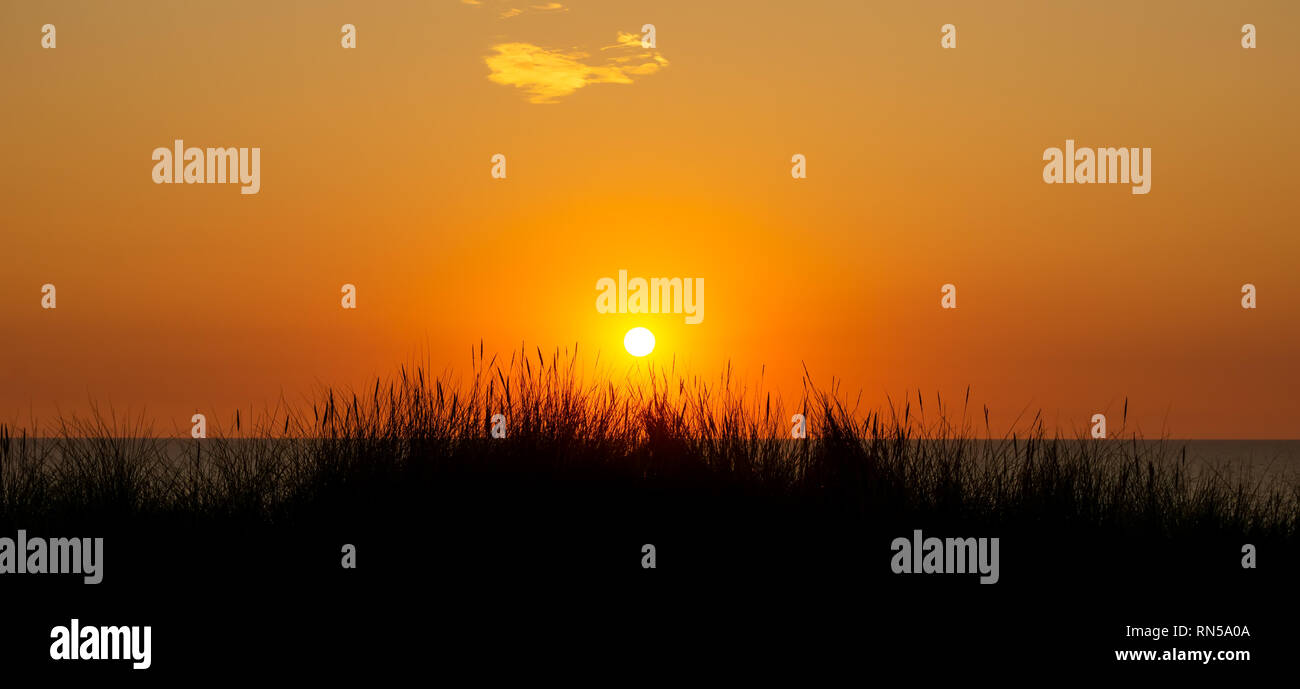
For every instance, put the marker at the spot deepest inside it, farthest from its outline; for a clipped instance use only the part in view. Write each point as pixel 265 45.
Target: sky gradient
pixel 924 168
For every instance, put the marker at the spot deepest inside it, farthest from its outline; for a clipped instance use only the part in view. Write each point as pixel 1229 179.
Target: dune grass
pixel 670 431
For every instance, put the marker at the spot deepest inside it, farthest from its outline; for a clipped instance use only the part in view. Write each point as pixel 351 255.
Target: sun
pixel 639 341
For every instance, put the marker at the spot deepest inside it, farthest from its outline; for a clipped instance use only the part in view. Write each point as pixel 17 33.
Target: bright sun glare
pixel 639 341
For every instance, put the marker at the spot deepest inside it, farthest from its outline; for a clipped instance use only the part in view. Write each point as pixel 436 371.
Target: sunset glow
pixel 924 168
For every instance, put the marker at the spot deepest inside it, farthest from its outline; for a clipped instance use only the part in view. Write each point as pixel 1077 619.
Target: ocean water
pixel 1268 459
pixel 1256 461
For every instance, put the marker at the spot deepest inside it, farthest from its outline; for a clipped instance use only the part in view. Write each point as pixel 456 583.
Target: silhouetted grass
pixel 413 436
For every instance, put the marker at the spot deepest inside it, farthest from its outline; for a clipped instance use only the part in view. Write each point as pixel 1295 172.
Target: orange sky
pixel 924 168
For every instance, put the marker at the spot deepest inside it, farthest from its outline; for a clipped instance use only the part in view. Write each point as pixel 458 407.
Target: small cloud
pixel 547 75
pixel 550 7
pixel 504 11
pixel 625 40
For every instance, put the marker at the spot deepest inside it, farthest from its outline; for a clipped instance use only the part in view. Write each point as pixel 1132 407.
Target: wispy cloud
pixel 506 12
pixel 547 74
pixel 625 40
